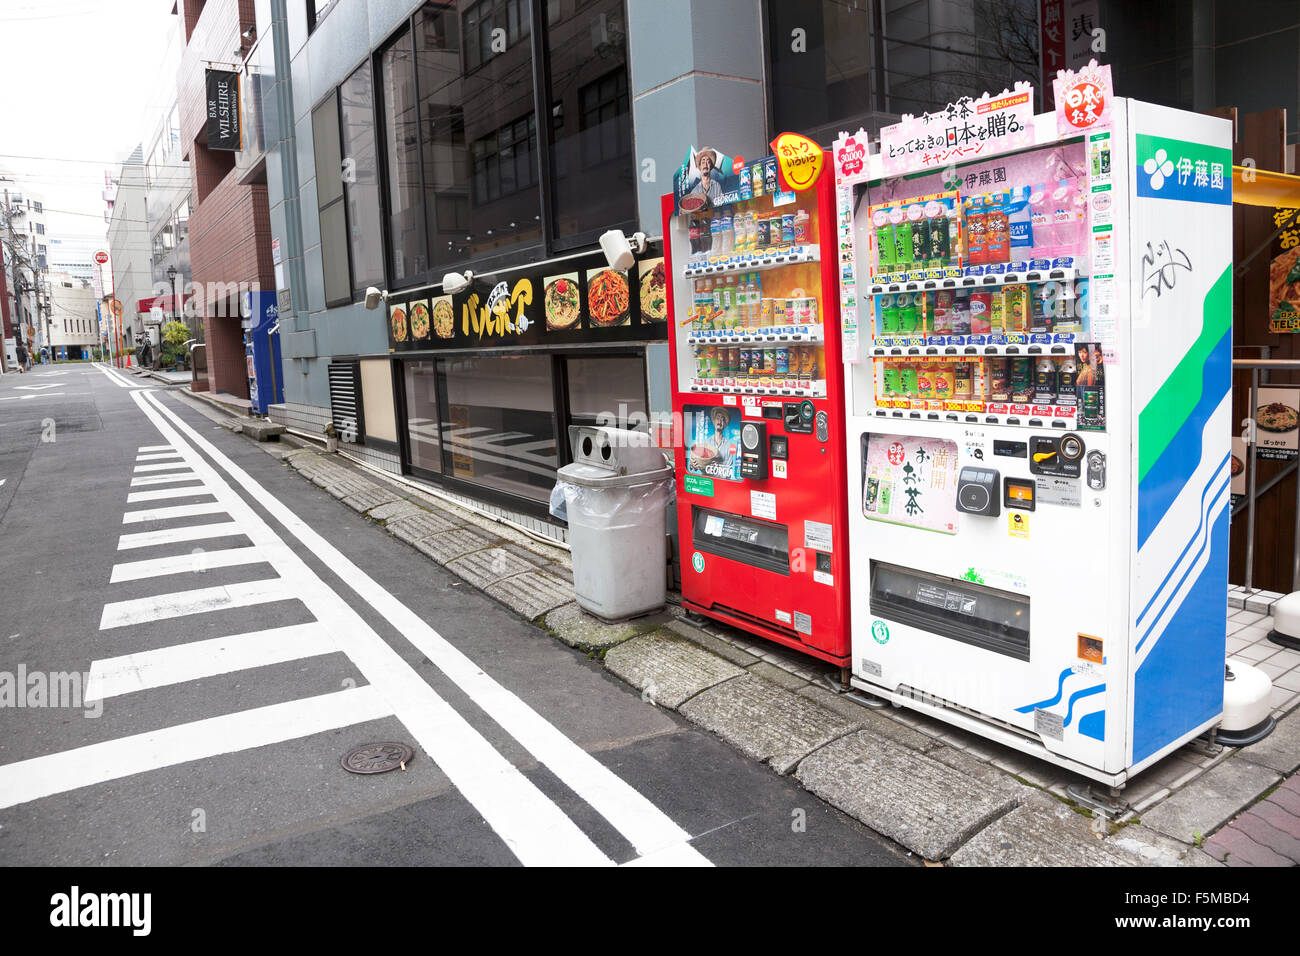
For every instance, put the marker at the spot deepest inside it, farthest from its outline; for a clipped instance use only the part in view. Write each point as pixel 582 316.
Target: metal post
pixel 1250 464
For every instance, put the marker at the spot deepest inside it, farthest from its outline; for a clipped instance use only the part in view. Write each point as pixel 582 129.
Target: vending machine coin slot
pixel 1010 449
pixel 773 412
pixel 798 418
pixel 1096 470
pixel 823 426
pixel 753 450
pixel 1056 456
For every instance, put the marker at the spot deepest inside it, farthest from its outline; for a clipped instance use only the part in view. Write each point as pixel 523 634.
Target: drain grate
pixel 377 758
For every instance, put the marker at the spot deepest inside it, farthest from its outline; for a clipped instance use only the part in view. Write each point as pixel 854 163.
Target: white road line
pixel 157 456
pixel 162 607
pixel 114 676
pixel 175 511
pixel 530 824
pixel 18 398
pixel 184 564
pixel 163 479
pixel 159 466
pixel 147 539
pixel 39 777
pixel 158 494
pixel 148 448
pixel 119 380
pixel 644 825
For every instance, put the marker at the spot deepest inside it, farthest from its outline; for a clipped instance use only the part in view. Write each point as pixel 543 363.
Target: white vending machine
pixel 1037 325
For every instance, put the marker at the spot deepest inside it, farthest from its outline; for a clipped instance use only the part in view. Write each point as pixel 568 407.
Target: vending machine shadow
pixel 756 369
pixel 1037 354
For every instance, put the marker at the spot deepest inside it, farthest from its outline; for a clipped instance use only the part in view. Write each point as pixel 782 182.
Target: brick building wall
pixel 230 227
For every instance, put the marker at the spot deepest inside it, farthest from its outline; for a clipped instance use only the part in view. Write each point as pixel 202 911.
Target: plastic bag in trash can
pixel 559 503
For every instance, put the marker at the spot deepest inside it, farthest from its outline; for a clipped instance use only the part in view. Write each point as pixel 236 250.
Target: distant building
pixel 74 317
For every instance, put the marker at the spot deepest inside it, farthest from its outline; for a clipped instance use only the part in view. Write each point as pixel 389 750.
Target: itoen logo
pixel 103 909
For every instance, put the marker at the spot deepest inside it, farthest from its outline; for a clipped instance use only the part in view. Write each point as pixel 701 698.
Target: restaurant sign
pixel 573 301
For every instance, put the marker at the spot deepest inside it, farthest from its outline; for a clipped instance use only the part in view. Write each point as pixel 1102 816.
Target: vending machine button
pixel 1058 424
pixel 1013 421
pixel 950 350
pixel 900 414
pixel 1035 349
pixel 913 414
pixel 1013 350
pixel 990 419
pixel 972 418
pixel 1035 423
pixel 951 416
pixel 933 416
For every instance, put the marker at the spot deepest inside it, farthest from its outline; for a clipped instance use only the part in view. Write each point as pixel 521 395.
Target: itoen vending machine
pixel 761 498
pixel 1037 313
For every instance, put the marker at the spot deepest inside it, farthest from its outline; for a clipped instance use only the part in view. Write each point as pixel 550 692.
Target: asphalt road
pixel 214 633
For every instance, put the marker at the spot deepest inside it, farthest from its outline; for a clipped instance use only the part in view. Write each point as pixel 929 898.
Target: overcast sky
pixel 81 83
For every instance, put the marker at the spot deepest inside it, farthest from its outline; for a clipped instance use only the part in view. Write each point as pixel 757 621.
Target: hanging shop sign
pixel 574 301
pixel 1083 99
pixel 963 131
pixel 223 110
pixel 1284 274
pixel 798 161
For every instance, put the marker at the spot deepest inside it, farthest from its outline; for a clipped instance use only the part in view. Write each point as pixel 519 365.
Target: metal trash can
pixel 614 495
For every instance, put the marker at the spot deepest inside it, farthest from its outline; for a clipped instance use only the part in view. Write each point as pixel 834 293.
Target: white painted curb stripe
pixel 174 511
pixel 147 539
pixel 39 777
pixel 194 563
pixel 114 676
pixel 530 824
pixel 162 607
pixel 136 497
pixel 643 824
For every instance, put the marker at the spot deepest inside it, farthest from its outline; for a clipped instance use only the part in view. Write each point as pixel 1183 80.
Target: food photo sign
pixel 1276 423
pixel 578 300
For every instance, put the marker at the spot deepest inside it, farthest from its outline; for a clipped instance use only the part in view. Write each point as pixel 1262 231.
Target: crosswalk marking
pixel 139 753
pixel 143 449
pixel 136 497
pixel 638 819
pixel 184 564
pixel 160 466
pixel 163 479
pixel 114 676
pixel 157 456
pixel 147 539
pixel 162 607
pixel 173 511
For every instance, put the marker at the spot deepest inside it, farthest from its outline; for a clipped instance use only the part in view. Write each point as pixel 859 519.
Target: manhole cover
pixel 376 758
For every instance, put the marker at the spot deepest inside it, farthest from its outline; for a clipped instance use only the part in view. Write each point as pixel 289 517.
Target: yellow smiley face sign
pixel 799 160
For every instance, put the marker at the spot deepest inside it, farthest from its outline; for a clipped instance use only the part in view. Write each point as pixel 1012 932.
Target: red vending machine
pixel 757 398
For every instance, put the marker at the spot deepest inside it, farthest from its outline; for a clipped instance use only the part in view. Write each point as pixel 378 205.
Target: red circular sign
pixel 101 257
pixel 737 165
pixel 1084 104
pixel 896 453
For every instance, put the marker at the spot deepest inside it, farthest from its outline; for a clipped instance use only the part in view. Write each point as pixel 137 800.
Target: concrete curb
pixel 894 775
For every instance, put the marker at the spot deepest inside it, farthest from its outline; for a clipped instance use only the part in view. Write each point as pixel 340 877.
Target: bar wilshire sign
pixel 579 300
pixel 223 110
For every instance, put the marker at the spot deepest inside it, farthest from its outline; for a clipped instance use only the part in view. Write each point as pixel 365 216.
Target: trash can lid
pixel 587 475
pixel 622 451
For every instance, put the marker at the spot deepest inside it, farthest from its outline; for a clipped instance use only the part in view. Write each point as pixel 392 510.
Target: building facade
pixel 407 141
pixel 74 317
pixel 25 244
pixel 228 224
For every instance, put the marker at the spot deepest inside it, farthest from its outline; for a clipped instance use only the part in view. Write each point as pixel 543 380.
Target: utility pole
pixel 18 278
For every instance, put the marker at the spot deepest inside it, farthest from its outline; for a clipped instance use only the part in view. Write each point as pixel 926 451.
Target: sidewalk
pixel 944 794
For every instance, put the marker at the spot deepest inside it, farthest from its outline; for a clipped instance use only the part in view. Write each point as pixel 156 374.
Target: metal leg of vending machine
pixel 1037 390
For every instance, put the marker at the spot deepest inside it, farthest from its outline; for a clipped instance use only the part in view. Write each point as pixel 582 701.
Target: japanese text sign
pixel 965 130
pixel 1083 99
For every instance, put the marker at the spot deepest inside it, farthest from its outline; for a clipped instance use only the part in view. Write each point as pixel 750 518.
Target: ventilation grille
pixel 345 401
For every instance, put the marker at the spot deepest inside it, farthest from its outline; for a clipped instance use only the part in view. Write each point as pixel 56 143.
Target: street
pixel 194 636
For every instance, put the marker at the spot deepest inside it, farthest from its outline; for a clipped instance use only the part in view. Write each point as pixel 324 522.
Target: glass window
pixel 607 390
pixel 360 169
pixel 422 421
pixel 401 127
pixel 592 168
pixel 478 130
pixel 329 199
pixel 498 427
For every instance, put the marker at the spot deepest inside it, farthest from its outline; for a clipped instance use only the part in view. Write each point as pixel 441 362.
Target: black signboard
pixel 578 300
pixel 223 110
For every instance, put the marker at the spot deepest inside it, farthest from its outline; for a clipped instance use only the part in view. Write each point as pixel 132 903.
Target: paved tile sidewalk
pixel 1268 834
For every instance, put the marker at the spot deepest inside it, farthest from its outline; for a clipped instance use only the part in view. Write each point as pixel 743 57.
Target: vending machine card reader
pixel 756 369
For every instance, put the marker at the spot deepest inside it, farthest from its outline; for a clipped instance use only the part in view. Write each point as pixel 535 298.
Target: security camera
pixel 374 297
pixel 620 253
pixel 454 282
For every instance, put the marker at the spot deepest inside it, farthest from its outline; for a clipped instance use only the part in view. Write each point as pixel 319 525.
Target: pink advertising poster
pixel 911 481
